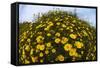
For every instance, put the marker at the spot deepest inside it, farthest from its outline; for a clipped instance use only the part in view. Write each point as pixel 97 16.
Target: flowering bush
pixel 56 36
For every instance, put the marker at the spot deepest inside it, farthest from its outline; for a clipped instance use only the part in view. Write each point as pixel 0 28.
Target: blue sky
pixel 26 12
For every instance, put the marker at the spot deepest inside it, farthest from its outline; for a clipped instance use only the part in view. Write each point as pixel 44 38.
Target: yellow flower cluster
pixel 56 39
pixel 40 47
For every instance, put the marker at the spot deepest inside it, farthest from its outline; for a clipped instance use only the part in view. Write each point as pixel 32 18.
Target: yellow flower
pixel 71 30
pixel 61 29
pixel 27 48
pixel 42 47
pixel 48 34
pixel 24 33
pixel 78 44
pixel 51 24
pixel 46 52
pixel 48 44
pixel 74 21
pixel 63 25
pixel 33 59
pixel 53 50
pixel 27 61
pixel 67 47
pixel 38 46
pixel 57 34
pixel 39 33
pixel 46 29
pixel 39 39
pixel 82 52
pixel 73 52
pixel 57 40
pixel 23 55
pixel 31 52
pixel 41 60
pixel 67 28
pixel 64 40
pixel 41 54
pixel 36 50
pixel 23 51
pixel 60 58
pixel 38 26
pixel 22 40
pixel 85 33
pixel 58 23
pixel 73 36
pixel 28 40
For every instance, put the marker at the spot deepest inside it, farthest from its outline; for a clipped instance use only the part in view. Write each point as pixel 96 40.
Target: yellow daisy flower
pixel 23 51
pixel 53 50
pixel 64 40
pixel 57 40
pixel 33 59
pixel 48 34
pixel 28 40
pixel 57 34
pixel 78 44
pixel 58 23
pixel 60 58
pixel 63 25
pixel 41 61
pixel 31 51
pixel 41 54
pixel 67 47
pixel 51 24
pixel 73 36
pixel 39 33
pixel 24 33
pixel 42 47
pixel 36 50
pixel 27 61
pixel 39 39
pixel 38 46
pixel 22 40
pixel 67 28
pixel 23 56
pixel 46 52
pixel 72 52
pixel 27 48
pixel 46 29
pixel 48 44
